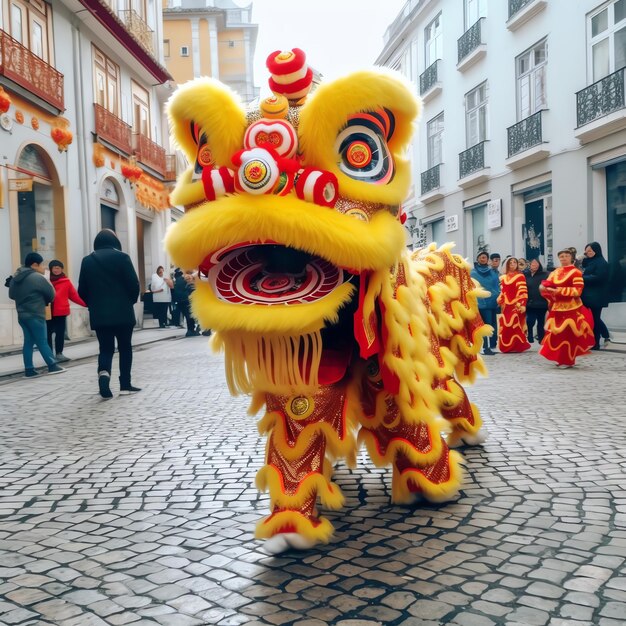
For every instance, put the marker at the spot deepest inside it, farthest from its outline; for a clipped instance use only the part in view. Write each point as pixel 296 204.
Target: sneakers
pixel 30 373
pixel 61 358
pixel 103 385
pixel 607 342
pixel 55 369
pixel 488 352
pixel 126 391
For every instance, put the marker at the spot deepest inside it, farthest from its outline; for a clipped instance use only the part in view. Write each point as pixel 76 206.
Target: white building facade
pixel 93 68
pixel 521 148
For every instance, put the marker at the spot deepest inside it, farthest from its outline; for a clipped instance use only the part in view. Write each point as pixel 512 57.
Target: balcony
pixel 149 153
pixel 431 184
pixel 600 108
pixel 525 142
pixel 113 130
pixel 170 168
pixel 138 28
pixel 472 170
pixel 430 85
pixel 27 70
pixel 471 47
pixel 521 11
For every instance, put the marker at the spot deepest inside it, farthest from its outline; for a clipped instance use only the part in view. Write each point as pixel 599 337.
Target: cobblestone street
pixel 141 510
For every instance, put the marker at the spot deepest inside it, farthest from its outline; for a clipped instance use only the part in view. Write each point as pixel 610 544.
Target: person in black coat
pixel 595 292
pixel 537 305
pixel 109 285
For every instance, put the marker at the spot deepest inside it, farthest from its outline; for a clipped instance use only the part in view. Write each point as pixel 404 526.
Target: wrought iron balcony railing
pixel 138 28
pixel 472 160
pixel 431 179
pixel 26 69
pixel 469 40
pixel 517 5
pixel 525 134
pixel 113 130
pixel 603 97
pixel 429 77
pixel 149 153
pixel 170 167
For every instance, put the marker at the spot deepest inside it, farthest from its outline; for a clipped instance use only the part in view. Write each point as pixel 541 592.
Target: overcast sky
pixel 338 36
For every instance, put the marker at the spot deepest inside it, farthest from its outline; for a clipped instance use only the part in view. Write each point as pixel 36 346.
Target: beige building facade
pixel 210 38
pixel 82 89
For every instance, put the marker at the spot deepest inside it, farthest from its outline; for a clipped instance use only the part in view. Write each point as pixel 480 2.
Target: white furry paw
pixel 460 438
pixel 287 541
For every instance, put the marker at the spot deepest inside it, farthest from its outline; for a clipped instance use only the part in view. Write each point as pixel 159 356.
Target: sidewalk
pixel 12 364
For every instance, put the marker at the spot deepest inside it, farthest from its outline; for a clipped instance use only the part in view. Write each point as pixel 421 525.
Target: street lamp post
pixel 414 229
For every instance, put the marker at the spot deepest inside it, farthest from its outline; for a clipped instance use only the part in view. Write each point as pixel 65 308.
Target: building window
pixel 434 132
pixel 141 110
pixel 166 48
pixel 476 115
pixel 616 230
pixel 231 44
pixel 438 231
pixel 531 80
pixel 606 33
pixel 106 82
pixel 479 230
pixel 474 10
pixel 184 51
pixel 433 41
pixel 28 24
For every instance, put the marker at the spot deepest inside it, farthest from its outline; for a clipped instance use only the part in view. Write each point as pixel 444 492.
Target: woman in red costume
pixel 512 300
pixel 569 327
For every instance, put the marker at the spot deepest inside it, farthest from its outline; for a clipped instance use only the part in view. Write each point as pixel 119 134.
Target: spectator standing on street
pixel 183 288
pixel 161 286
pixel 569 327
pixel 32 293
pixel 494 261
pixel 64 292
pixel 595 293
pixel 536 307
pixel 522 265
pixel 488 279
pixel 512 299
pixel 109 285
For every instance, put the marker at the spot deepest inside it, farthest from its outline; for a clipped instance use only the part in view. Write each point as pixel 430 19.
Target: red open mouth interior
pixel 270 274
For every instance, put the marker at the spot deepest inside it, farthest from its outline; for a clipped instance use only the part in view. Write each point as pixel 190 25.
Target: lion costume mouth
pixel 270 274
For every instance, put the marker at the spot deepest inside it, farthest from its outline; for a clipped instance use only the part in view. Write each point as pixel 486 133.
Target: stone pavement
pixel 141 510
pixel 12 364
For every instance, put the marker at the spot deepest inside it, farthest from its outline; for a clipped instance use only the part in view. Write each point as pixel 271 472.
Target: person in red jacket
pixel 65 292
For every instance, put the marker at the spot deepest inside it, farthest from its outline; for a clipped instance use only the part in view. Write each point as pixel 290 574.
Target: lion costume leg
pixel 305 433
pixel 463 416
pixel 423 465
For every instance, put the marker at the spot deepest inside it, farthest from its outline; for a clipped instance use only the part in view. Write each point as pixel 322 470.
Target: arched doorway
pixel 113 211
pixel 40 206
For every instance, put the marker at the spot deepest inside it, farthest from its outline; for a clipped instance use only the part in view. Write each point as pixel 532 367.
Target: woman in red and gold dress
pixel 569 327
pixel 512 333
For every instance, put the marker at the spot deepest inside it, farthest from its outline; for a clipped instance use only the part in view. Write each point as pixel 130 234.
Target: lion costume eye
pixel 362 147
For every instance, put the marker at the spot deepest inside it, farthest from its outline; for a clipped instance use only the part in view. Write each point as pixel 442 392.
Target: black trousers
pixel 537 316
pixel 184 306
pixel 106 341
pixel 599 327
pixel 160 312
pixel 56 327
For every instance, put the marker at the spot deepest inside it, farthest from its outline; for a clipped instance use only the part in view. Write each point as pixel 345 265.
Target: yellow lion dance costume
pixel 293 220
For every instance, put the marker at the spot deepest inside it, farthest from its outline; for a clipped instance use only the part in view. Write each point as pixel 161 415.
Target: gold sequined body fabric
pixel 422 319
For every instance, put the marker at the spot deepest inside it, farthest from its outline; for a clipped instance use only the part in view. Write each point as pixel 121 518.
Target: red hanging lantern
pixel 131 171
pixel 5 101
pixel 61 134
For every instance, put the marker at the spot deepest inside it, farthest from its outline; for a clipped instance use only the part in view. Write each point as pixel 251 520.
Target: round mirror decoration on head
pixel 297 238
